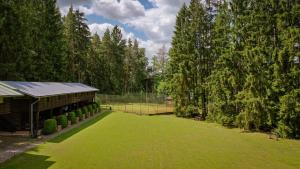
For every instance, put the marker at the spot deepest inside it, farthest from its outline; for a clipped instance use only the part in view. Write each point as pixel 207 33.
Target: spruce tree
pixel 11 42
pixel 176 77
pixel 77 37
pixel 224 81
pixel 286 83
pixel 106 57
pixel 117 59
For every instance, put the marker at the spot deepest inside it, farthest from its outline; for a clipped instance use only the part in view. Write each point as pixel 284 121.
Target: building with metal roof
pixel 46 89
pixel 25 105
pixel 8 92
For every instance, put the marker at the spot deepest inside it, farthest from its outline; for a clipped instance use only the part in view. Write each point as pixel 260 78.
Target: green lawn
pixel 125 141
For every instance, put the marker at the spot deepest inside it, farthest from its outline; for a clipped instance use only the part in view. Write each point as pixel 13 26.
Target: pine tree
pixel 54 44
pixel 191 49
pixel 83 42
pixel 128 66
pixel 224 82
pixel 176 77
pixel 286 83
pixel 41 53
pixel 78 40
pixel 117 59
pixel 69 33
pixel 93 62
pixel 106 53
pixel 11 43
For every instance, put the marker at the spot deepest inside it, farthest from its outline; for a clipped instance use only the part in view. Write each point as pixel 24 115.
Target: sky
pixel 151 22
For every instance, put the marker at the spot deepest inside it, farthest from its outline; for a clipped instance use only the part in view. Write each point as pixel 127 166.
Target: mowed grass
pixel 141 108
pixel 128 141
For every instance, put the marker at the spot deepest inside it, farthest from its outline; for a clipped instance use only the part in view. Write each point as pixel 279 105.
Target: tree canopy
pixel 38 44
pixel 241 60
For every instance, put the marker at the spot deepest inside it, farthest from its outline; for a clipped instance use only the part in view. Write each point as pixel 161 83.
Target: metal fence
pixel 141 103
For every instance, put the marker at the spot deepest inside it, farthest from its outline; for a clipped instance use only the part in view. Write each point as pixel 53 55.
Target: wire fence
pixel 142 103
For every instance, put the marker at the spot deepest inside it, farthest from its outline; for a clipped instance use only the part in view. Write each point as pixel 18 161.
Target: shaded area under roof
pixel 44 89
pixel 5 91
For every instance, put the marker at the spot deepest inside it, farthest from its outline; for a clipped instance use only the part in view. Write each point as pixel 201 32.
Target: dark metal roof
pixel 5 91
pixel 44 89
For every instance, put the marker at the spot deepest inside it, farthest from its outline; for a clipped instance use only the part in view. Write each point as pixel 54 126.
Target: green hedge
pixel 50 126
pixel 62 120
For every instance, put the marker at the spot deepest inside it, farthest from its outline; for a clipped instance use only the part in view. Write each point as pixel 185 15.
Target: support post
pixel 31 118
pixel 37 120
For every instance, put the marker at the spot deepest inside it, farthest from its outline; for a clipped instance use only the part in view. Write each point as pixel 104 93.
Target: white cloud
pixel 150 46
pixel 101 28
pixel 156 23
pixel 123 10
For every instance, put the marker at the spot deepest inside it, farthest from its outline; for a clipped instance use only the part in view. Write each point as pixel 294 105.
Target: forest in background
pixel 38 44
pixel 237 63
pixel 232 62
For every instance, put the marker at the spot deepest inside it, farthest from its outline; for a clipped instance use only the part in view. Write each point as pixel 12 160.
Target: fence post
pixel 166 103
pixel 140 108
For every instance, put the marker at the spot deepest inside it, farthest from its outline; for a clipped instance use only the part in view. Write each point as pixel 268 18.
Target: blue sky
pixel 151 22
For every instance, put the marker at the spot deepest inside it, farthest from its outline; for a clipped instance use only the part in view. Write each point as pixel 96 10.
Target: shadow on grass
pixel 70 133
pixel 158 114
pixel 27 161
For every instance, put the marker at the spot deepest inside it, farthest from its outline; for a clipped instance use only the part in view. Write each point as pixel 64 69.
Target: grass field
pixel 141 108
pixel 128 141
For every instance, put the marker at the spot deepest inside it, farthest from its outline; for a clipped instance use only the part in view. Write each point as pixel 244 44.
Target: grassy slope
pixel 122 140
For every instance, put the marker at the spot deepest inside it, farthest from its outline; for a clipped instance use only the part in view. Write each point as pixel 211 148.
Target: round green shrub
pixel 50 126
pixel 62 120
pixel 78 113
pixel 72 117
pixel 94 106
pixel 85 110
pixel 90 108
pixel 73 120
pixel 70 114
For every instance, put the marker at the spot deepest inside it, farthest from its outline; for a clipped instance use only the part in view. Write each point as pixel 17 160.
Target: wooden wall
pixel 62 100
pixel 15 112
pixel 4 106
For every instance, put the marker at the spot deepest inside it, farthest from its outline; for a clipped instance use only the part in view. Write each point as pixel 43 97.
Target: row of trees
pixel 37 44
pixel 237 63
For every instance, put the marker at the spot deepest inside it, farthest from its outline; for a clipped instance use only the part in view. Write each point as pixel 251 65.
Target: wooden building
pixel 25 105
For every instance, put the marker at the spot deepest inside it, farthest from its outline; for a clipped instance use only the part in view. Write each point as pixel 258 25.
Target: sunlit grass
pixel 128 141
